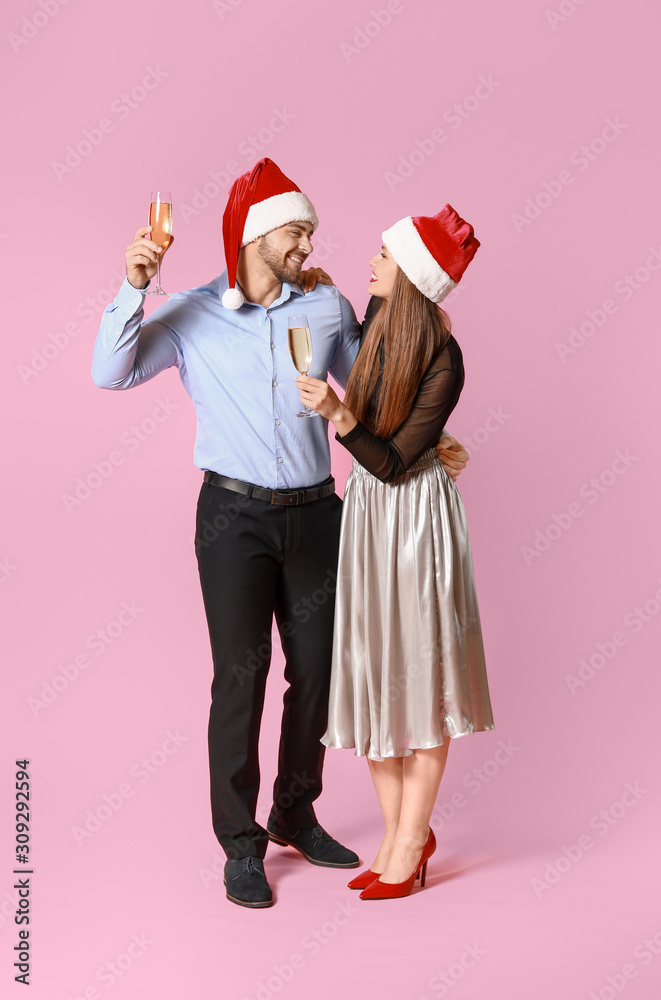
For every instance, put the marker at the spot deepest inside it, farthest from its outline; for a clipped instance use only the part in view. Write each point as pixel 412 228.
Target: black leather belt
pixel 288 498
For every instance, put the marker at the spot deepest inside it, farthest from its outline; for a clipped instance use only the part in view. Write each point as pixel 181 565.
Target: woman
pixel 408 671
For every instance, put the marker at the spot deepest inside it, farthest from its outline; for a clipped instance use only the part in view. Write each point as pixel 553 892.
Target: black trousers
pixel 255 560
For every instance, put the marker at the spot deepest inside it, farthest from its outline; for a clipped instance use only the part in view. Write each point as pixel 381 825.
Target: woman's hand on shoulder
pixel 309 278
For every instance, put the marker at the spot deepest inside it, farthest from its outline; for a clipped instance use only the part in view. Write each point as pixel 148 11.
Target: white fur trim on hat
pixel 263 216
pixel 418 264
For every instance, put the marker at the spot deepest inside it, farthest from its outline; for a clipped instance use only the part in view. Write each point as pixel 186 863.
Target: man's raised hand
pixel 142 258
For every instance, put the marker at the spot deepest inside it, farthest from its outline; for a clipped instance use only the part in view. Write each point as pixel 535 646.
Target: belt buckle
pixel 285 501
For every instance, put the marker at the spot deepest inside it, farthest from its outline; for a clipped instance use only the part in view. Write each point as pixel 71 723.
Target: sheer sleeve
pixel 435 400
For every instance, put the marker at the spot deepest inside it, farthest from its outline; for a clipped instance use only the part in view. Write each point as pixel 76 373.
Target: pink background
pixel 546 880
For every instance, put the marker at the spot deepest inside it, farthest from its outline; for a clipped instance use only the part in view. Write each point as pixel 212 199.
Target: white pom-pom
pixel 233 298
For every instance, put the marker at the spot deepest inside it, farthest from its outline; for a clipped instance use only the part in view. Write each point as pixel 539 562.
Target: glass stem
pixel 158 272
pixel 306 408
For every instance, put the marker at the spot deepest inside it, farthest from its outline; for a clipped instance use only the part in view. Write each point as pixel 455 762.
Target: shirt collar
pixel 222 284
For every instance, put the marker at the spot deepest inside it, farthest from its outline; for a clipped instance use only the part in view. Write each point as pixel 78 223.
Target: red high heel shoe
pixel 394 890
pixel 363 880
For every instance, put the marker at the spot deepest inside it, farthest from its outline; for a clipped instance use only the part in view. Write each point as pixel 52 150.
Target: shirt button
pixel 277 423
pixel 275 383
pixel 272 347
pixel 280 460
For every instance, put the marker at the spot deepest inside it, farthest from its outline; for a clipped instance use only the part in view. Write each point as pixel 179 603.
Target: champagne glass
pixel 300 348
pixel 160 219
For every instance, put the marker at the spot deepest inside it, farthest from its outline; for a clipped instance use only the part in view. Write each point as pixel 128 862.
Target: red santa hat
pixel 260 200
pixel 432 251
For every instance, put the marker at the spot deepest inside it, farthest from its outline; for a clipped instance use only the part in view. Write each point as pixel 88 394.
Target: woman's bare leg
pixel 422 773
pixel 387 776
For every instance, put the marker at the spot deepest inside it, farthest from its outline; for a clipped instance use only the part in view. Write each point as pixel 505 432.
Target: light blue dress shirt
pixel 236 367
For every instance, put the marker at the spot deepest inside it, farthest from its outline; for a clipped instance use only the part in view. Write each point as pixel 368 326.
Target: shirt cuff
pixel 128 298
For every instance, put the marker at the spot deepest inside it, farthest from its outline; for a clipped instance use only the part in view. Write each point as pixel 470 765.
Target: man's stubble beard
pixel 271 257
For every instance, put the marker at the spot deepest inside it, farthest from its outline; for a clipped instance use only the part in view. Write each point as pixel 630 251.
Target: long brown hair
pixel 405 334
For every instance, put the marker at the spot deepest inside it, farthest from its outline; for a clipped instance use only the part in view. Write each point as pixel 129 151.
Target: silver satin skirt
pixel 408 668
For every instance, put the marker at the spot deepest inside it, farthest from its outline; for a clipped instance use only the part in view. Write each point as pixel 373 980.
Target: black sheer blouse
pixel 436 398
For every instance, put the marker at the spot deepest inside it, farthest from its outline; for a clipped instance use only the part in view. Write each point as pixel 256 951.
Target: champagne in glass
pixel 160 218
pixel 300 348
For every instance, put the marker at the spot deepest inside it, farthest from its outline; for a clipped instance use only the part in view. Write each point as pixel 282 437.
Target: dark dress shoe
pixel 246 883
pixel 317 846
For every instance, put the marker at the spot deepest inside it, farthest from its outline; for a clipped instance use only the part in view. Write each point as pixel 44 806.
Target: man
pixel 268 516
